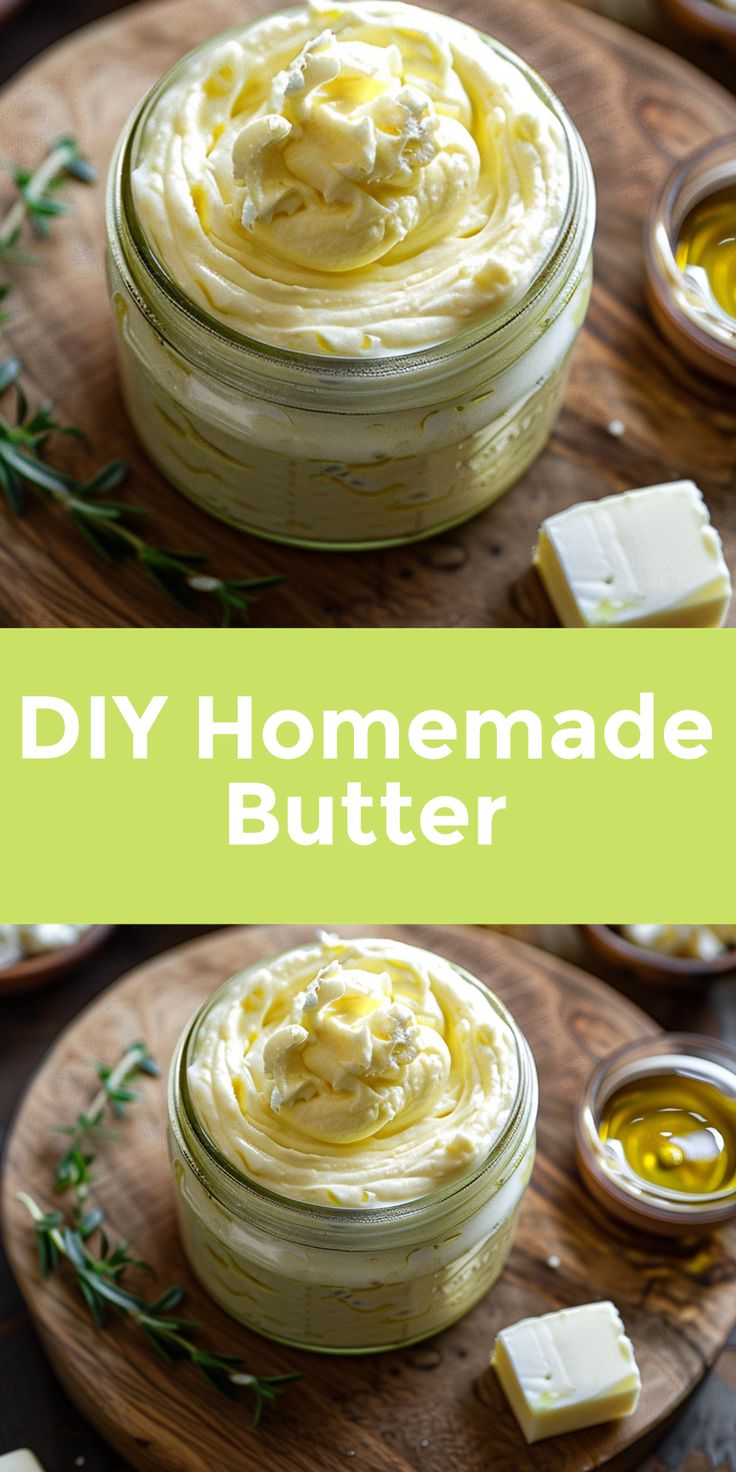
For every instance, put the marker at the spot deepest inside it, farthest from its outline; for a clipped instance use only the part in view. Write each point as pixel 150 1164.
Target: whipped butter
pixel 353 1075
pixel 689 942
pixel 352 179
pixel 21 942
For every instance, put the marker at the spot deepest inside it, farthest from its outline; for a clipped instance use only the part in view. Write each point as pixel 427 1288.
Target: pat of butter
pixel 639 559
pixel 567 1370
pixel 21 1461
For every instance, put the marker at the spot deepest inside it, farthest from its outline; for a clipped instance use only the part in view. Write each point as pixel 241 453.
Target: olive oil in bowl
pixel 707 238
pixel 674 1130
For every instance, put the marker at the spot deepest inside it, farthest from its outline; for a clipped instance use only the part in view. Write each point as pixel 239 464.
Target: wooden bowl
pixel 703 18
pixel 37 971
pixel 9 7
pixel 672 971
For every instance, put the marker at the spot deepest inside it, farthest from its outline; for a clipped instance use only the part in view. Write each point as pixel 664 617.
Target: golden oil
pixel 673 1130
pixel 707 238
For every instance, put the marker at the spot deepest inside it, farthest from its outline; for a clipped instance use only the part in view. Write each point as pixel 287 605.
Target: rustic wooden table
pixel 37 23
pixel 32 1405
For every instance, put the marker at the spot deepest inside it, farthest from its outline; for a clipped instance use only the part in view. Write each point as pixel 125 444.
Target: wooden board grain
pixel 637 106
pixel 435 1405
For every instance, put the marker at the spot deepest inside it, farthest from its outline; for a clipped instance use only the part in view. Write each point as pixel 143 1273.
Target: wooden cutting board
pixel 435 1405
pixel 638 108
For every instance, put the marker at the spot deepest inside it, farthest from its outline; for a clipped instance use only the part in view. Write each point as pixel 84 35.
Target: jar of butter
pixel 349 256
pixel 351 1133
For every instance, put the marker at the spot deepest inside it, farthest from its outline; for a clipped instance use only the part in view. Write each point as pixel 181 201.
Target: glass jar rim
pixel 636 1193
pixel 524 1107
pixel 666 200
pixel 351 369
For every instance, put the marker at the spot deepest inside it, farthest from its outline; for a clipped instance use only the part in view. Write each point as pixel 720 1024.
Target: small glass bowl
pixel 709 168
pixel 637 1202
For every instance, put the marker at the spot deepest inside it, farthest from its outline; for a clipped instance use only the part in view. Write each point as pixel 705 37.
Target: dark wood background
pixel 33 1408
pixel 44 21
pixel 36 24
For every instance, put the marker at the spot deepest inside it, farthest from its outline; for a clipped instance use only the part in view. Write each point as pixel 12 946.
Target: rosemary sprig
pixel 99 1283
pixel 99 1277
pixel 73 1170
pixel 37 200
pixel 105 524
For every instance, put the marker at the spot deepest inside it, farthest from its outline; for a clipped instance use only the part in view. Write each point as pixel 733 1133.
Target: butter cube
pixel 21 1461
pixel 567 1370
pixel 640 559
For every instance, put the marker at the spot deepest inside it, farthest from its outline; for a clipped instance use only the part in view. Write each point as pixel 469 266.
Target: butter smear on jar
pixel 311 210
pixel 361 1117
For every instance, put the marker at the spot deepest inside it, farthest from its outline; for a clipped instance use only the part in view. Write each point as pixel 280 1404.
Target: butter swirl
pixel 353 1074
pixel 355 180
pixel 352 1061
pixel 349 161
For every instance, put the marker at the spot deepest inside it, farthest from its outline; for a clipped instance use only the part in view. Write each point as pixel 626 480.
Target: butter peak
pixel 354 1075
pixel 363 180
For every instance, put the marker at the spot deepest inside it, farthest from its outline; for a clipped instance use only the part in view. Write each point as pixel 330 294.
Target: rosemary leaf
pixel 73 1169
pixel 109 527
pixel 21 446
pixel 170 1337
pixel 99 1276
pixel 35 202
pixel 12 489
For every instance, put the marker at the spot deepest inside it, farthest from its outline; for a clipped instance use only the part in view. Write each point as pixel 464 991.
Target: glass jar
pixel 338 452
pixel 340 1279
